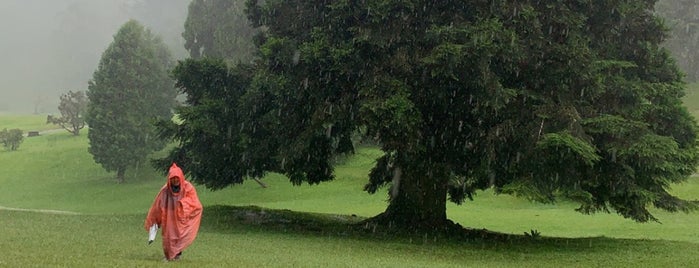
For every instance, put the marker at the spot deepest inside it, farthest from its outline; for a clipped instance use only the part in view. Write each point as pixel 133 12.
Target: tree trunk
pixel 418 201
pixel 120 175
pixel 260 182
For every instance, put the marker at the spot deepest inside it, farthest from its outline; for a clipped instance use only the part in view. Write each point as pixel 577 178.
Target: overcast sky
pixel 51 46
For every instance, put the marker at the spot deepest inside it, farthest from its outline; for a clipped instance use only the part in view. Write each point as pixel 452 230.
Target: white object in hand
pixel 152 233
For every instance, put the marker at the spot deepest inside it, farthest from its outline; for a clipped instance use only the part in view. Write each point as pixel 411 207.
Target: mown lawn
pixel 116 240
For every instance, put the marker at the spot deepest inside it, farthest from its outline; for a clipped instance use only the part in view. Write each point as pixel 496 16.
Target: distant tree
pixel 219 29
pixel 11 139
pixel 38 101
pixel 165 17
pixel 682 17
pixel 72 108
pixel 542 100
pixel 130 90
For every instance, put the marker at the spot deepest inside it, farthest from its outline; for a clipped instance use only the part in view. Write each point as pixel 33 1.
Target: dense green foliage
pixel 72 108
pixel 546 101
pixel 11 139
pixel 209 135
pixel 130 90
pixel 218 29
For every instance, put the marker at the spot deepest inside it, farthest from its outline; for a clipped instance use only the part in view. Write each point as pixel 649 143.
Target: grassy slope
pixel 25 122
pixel 39 239
pixel 56 172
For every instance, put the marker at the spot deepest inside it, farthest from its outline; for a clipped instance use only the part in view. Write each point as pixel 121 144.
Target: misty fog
pixel 52 46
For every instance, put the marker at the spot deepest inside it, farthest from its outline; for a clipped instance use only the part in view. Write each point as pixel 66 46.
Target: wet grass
pixel 241 237
pixel 301 226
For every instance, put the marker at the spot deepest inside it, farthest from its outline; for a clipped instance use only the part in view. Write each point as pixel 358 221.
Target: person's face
pixel 175 181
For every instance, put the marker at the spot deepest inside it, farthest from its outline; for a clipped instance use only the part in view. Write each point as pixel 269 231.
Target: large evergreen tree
pixel 209 132
pixel 573 99
pixel 130 90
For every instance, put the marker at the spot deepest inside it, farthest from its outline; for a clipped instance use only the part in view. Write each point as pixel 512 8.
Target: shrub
pixel 11 139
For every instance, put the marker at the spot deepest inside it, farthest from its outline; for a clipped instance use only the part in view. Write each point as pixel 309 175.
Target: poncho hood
pixel 175 172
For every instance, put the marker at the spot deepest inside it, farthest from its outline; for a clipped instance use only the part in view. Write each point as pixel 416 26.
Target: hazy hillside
pixel 52 46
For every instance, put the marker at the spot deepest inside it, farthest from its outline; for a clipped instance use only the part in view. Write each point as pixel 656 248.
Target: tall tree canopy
pixel 130 90
pixel 219 29
pixel 569 100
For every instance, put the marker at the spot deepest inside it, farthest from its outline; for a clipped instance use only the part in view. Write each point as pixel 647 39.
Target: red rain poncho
pixel 177 214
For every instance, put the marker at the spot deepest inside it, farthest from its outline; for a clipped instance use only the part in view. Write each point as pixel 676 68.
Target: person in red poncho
pixel 177 211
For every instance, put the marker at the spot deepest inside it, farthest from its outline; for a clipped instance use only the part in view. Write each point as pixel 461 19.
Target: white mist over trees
pixel 51 46
pixel 219 29
pixel 682 17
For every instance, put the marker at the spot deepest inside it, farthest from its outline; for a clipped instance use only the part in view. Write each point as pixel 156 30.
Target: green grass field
pixel 24 122
pixel 60 209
